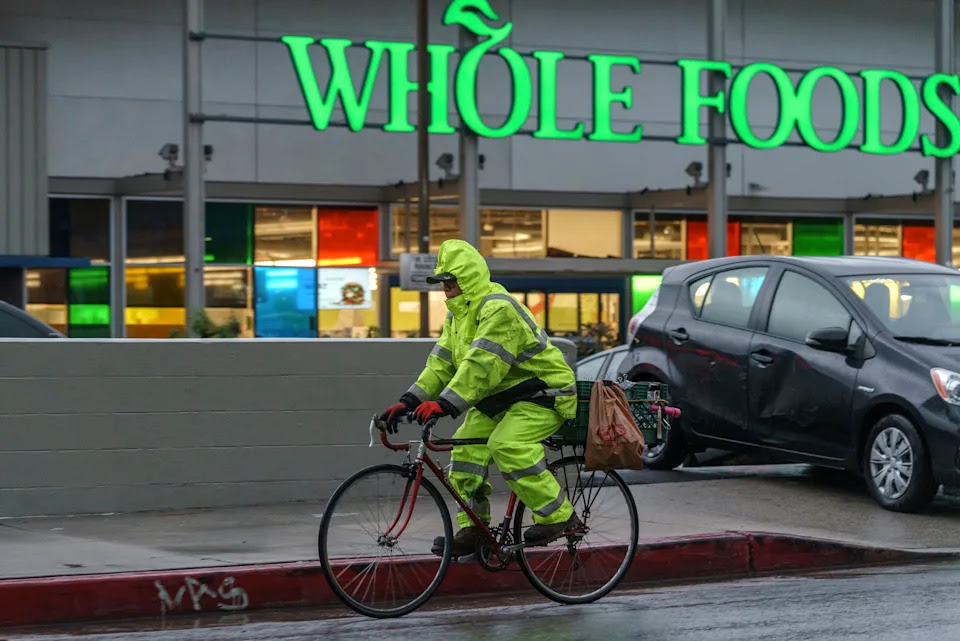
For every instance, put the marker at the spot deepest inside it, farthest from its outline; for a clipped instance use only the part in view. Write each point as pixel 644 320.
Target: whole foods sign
pixel 861 107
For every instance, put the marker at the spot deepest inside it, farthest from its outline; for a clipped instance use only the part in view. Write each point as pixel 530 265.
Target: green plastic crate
pixel 639 396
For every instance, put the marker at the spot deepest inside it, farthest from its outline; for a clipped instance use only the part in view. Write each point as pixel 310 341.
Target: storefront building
pixel 305 221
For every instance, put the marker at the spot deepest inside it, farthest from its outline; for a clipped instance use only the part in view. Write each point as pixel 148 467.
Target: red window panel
pixel 347 237
pixel 697 247
pixel 918 243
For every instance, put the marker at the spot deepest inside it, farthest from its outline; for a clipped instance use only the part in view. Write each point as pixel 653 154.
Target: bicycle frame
pixel 423 459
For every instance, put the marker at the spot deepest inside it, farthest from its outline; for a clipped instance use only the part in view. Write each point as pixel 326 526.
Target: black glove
pixel 408 403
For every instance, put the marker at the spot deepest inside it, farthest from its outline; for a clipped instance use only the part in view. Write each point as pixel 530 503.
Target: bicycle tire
pixel 329 565
pixel 613 480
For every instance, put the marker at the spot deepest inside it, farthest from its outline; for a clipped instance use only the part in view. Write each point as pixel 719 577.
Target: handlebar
pixel 376 423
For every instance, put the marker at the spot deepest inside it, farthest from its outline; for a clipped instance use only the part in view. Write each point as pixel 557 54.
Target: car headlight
pixel 947 383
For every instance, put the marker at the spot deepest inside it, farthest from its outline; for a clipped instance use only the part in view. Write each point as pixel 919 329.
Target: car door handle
pixel 679 335
pixel 761 358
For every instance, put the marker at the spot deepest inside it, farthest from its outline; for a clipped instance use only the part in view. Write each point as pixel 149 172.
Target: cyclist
pixel 496 364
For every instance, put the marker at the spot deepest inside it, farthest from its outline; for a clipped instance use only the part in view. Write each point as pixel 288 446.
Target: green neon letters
pixel 693 100
pixel 909 109
pixel 849 103
pixel 734 94
pixel 941 111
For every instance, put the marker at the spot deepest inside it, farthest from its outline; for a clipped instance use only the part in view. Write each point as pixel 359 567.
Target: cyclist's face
pixel 451 288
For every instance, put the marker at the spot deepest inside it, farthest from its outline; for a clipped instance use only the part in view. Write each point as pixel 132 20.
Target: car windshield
pixel 920 308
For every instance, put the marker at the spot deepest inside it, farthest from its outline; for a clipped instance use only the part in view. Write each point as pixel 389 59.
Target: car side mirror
pixel 829 339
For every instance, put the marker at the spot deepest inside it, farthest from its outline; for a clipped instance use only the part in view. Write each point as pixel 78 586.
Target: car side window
pixel 801 305
pixel 589 369
pixel 13 327
pixel 731 295
pixel 698 293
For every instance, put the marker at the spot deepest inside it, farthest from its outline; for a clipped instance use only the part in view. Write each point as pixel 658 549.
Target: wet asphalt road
pixel 898 604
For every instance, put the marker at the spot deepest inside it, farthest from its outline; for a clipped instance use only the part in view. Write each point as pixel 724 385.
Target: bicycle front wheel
pixel 587 564
pixel 376 550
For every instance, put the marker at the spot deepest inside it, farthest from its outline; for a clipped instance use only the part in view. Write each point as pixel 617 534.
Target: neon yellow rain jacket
pixel 491 353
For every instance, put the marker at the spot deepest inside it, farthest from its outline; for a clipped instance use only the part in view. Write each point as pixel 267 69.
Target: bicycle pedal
pixel 461 560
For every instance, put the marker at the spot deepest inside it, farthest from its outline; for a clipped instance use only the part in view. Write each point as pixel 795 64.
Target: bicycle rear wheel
pixel 374 563
pixel 584 566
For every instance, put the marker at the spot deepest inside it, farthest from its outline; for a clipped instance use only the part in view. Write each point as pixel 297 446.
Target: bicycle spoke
pixel 584 567
pixel 361 543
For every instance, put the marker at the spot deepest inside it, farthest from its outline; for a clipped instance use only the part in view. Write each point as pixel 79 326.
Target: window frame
pixel 828 284
pixel 758 303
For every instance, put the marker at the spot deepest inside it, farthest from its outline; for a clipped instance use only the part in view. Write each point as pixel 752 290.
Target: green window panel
pixel 818 237
pixel 88 296
pixel 643 287
pixel 229 229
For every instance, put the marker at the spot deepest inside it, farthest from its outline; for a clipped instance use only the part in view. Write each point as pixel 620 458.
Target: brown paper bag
pixel 613 439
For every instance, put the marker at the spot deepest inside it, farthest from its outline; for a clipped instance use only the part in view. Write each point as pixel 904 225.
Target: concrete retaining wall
pixel 89 426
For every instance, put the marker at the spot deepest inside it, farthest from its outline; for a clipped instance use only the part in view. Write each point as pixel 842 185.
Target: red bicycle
pixel 377 547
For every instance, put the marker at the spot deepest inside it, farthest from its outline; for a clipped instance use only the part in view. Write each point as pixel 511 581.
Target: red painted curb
pixel 148 594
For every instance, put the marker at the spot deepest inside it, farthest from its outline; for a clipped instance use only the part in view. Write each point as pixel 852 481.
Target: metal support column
pixel 626 250
pixel 423 148
pixel 943 196
pixel 849 229
pixel 193 187
pixel 717 134
pixel 118 268
pixel 469 184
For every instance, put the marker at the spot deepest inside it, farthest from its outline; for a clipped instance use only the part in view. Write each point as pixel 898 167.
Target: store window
pixel 285 236
pixel 229 297
pixel 405 313
pixel 286 302
pixel 766 237
pixel 562 314
pixel 584 233
pixel 444 225
pixel 347 302
pixel 512 233
pixel 47 297
pixel 155 303
pixel 229 232
pixel 697 241
pixel 348 237
pixel 89 298
pixel 667 240
pixel 154 232
pixel 818 237
pixel 919 242
pixel 80 228
pixel 877 239
pixel 644 285
pixel 536 302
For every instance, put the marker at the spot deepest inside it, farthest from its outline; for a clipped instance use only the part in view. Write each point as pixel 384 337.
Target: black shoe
pixel 464 542
pixel 542 534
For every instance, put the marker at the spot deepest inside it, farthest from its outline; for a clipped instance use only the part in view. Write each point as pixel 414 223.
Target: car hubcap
pixel 891 463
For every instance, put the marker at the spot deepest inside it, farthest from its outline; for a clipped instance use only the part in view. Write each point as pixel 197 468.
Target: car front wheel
pixel 896 466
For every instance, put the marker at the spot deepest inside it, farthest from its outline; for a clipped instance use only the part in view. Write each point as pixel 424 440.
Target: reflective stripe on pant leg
pixel 516 448
pixel 470 467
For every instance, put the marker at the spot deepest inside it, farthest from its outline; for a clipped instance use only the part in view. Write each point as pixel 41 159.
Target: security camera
pixel 208 152
pixel 922 178
pixel 483 161
pixel 695 171
pixel 445 162
pixel 170 152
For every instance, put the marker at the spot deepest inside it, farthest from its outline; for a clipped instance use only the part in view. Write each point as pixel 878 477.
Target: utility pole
pixel 194 236
pixel 423 149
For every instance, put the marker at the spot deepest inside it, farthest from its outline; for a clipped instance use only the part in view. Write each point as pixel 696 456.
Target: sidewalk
pixel 710 518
